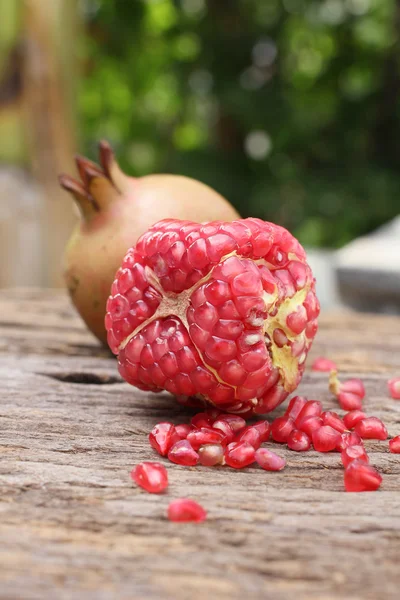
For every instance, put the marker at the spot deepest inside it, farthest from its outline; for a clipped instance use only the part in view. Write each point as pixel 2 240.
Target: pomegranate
pixel 222 311
pixel 116 210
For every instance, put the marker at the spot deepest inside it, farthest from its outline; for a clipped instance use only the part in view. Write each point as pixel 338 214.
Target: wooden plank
pixel 72 525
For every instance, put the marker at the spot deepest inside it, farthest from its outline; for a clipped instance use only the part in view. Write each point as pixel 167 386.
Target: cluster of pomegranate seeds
pixel 162 437
pixel 323 364
pixel 185 510
pixel 354 453
pixel 394 445
pixel 394 388
pixel 350 393
pixel 151 476
pixel 351 418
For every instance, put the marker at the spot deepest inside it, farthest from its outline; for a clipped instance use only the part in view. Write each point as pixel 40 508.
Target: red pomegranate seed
pixel 281 428
pixel 295 407
pixel 352 418
pixel 202 419
pixel 183 430
pixel 206 435
pixel 349 439
pixel 394 388
pixel 350 393
pixel 182 453
pixel 371 428
pixel 211 455
pixel 310 424
pixel 323 364
pixel 298 441
pixel 354 453
pixel 360 477
pixel 264 429
pixel 394 445
pixel 331 418
pixel 312 408
pixel 236 423
pixel 239 455
pixel 213 413
pixel 269 461
pixel 185 510
pixel 226 429
pixel 151 476
pixel 251 435
pixel 325 439
pixel 162 437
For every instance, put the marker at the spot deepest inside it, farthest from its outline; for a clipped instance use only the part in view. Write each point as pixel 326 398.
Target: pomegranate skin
pixel 224 312
pixel 116 210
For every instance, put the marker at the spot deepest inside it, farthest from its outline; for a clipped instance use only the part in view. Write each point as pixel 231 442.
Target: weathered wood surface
pixel 73 526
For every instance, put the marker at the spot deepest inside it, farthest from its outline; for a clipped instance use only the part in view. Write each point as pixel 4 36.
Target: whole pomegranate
pixel 225 312
pixel 116 210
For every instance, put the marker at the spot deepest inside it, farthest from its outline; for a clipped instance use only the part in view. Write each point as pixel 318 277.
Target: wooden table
pixel 73 526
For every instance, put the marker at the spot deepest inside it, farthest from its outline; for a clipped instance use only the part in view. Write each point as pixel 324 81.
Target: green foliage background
pixel 289 108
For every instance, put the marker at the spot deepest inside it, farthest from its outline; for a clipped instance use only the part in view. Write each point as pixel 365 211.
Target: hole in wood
pixel 85 378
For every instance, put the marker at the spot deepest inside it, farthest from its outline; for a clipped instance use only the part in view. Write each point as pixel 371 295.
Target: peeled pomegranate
pixel 116 210
pixel 225 312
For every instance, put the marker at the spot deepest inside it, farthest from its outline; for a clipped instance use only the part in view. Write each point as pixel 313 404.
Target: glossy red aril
pixel 354 453
pixel 323 364
pixel 349 439
pixel 281 428
pixel 331 418
pixel 371 428
pixel 394 445
pixel 250 435
pixel 211 455
pixel 269 461
pixel 162 437
pixel 310 424
pixel 350 393
pixel 298 441
pixel 351 418
pixel 225 428
pixel 183 430
pixel 182 453
pixel 206 435
pixel 202 419
pixel 325 439
pixel 360 477
pixel 210 311
pixel 264 429
pixel 185 510
pixel 239 455
pixel 236 423
pixel 151 476
pixel 295 407
pixel 312 408
pixel 394 388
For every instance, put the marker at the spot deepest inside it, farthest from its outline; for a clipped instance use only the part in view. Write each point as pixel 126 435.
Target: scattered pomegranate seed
pixel 239 455
pixel 151 476
pixel 162 437
pixel 236 423
pixel 251 435
pixel 281 428
pixel 394 445
pixel 185 510
pixel 350 393
pixel 264 429
pixel 206 435
pixel 349 439
pixel 269 461
pixel 183 430
pixel 312 408
pixel 202 419
pixel 298 441
pixel 226 429
pixel 182 453
pixel 310 424
pixel 354 453
pixel 295 407
pixel 360 477
pixel 211 455
pixel 371 428
pixel 323 364
pixel 325 439
pixel 352 418
pixel 331 418
pixel 394 388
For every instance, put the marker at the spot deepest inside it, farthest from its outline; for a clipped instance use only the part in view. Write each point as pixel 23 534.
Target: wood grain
pixel 73 526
